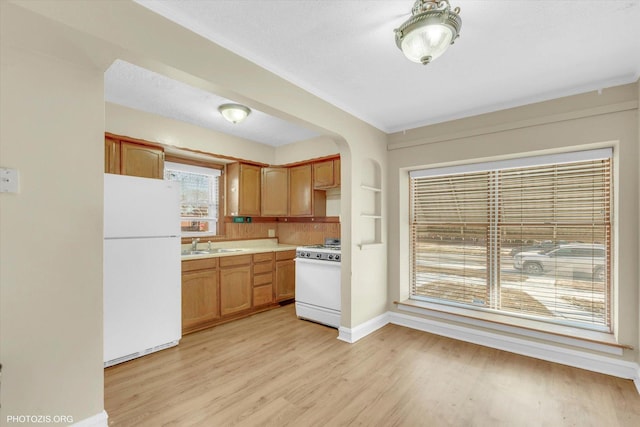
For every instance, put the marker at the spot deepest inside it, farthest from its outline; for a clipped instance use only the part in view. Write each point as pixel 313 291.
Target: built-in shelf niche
pixel 371 204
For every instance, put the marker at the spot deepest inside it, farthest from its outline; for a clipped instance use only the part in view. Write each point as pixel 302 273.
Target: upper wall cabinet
pixel 128 158
pixel 303 199
pixel 326 174
pixel 243 189
pixel 275 192
pixel 111 156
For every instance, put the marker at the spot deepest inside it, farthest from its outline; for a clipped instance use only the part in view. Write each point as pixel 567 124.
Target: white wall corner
pixel 98 420
pixel 362 330
pixel 552 353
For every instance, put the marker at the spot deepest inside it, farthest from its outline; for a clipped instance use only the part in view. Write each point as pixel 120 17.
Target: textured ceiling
pixel 135 87
pixel 509 53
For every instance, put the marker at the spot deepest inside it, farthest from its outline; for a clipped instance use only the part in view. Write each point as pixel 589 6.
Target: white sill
pixel 566 335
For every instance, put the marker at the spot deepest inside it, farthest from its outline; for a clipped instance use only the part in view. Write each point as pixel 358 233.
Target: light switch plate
pixel 9 180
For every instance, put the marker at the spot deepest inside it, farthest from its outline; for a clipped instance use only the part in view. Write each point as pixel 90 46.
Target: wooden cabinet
pixel 285 275
pixel 200 299
pixel 141 160
pixel 235 284
pixel 263 279
pixel 303 199
pixel 111 156
pixel 275 192
pixel 129 158
pixel 326 174
pixel 300 190
pixel 243 189
pixel 221 289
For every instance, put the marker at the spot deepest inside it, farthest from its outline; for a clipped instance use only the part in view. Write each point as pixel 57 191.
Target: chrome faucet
pixel 194 244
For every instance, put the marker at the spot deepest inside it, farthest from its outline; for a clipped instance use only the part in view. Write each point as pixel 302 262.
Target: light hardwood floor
pixel 273 369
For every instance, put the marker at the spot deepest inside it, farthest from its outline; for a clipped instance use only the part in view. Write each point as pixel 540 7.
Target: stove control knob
pixel 307 254
pixel 318 255
pixel 330 257
pixel 337 257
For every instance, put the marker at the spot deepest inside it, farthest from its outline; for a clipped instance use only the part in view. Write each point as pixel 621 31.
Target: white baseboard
pixel 552 353
pixel 98 420
pixel 352 335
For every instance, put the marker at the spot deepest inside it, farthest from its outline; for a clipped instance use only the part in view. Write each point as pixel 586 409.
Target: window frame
pixel 194 164
pixel 525 160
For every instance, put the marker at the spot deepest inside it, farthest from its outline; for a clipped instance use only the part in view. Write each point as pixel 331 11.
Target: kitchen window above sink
pixel 199 201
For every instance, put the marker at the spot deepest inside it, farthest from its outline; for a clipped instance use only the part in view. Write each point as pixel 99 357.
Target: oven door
pixel 318 283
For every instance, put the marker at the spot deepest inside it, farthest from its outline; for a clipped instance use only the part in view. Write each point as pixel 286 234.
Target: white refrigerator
pixel 142 296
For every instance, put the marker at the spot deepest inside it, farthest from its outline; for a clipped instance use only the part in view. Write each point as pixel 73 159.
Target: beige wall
pixel 321 146
pixel 638 217
pixel 151 127
pixel 51 115
pixel 582 121
pixel 138 124
pixel 52 127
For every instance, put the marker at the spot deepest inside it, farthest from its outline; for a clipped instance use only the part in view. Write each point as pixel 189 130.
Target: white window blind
pixel 528 237
pixel 199 196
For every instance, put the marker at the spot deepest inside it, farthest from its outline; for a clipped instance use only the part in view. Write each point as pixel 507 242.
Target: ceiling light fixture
pixel 432 27
pixel 235 113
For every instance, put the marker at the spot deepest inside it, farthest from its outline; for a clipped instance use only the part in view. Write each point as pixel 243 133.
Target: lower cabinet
pixel 200 300
pixel 263 279
pixel 285 275
pixel 219 289
pixel 235 284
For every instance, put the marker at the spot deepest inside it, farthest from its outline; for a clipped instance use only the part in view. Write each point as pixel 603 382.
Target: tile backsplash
pixel 292 233
pixel 306 233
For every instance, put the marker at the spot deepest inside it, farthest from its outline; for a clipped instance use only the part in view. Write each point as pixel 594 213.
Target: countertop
pixel 240 247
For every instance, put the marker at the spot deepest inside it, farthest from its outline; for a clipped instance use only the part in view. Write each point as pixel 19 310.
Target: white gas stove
pixel 318 289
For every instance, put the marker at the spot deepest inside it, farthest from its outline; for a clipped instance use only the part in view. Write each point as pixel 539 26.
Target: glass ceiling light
pixel 432 27
pixel 235 113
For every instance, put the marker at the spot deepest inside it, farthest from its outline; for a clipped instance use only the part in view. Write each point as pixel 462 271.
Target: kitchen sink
pixel 208 252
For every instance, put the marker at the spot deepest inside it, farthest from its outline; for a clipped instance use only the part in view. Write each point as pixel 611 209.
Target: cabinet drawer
pixel 262 295
pixel 228 261
pixel 199 264
pixel 265 267
pixel 262 257
pixel 282 255
pixel 262 279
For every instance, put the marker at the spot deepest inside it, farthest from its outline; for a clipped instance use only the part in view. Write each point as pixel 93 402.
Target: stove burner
pixel 330 251
pixel 333 247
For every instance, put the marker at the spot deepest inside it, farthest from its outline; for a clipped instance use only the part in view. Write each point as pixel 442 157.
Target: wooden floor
pixel 273 369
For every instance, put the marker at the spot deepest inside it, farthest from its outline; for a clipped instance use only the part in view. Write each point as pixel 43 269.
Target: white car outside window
pixel 572 258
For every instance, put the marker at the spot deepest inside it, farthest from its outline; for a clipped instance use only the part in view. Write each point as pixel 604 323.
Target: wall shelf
pixel 371 208
pixel 364 246
pixel 374 189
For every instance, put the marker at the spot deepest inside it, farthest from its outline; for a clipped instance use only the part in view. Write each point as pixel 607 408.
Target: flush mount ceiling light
pixel 433 26
pixel 235 113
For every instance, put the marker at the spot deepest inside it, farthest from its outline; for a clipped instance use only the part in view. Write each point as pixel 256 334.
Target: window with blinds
pixel 199 197
pixel 528 237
